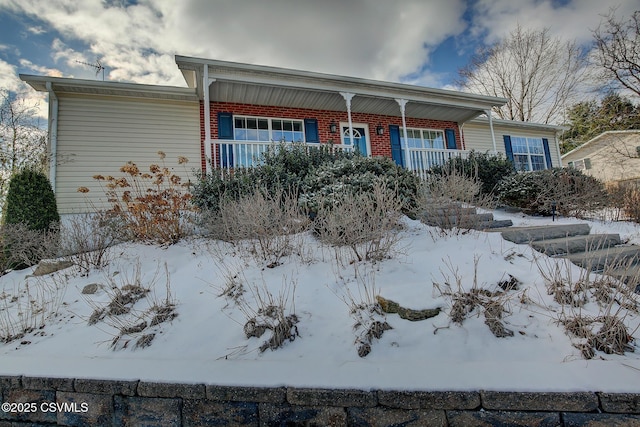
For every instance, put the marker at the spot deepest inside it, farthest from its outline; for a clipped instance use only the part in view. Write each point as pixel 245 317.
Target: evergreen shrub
pixel 489 169
pixel 574 193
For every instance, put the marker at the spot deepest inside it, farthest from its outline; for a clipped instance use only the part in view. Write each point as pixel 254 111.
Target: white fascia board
pixel 62 84
pixel 274 76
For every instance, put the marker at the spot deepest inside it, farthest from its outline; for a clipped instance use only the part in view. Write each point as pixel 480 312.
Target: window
pixel 581 164
pixel 528 153
pixel 267 129
pixel 423 138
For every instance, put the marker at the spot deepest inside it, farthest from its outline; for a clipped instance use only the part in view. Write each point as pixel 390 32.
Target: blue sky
pixel 414 41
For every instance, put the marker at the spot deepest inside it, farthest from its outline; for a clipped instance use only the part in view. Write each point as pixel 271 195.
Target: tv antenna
pixel 98 66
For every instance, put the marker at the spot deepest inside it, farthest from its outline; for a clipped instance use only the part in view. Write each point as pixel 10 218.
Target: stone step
pixel 605 259
pixel 463 221
pixel 575 244
pixel 531 234
pixel 496 223
pixel 629 274
pixel 450 210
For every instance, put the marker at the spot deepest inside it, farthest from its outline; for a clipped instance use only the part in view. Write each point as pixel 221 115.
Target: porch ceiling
pixel 262 85
pixel 247 93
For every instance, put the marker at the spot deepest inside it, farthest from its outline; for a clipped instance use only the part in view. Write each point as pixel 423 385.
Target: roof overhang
pixel 262 85
pixel 522 125
pixel 65 85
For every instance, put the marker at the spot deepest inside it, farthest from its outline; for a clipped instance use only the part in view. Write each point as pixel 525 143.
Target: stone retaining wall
pixel 86 402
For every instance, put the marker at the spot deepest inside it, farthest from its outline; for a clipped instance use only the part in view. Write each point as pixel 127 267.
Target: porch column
pixel 407 158
pixel 348 97
pixel 493 136
pixel 207 120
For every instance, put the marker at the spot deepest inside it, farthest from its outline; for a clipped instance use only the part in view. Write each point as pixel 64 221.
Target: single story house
pixel 612 156
pixel 229 113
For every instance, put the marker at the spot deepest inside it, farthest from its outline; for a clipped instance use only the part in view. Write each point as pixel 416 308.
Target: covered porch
pixel 417 127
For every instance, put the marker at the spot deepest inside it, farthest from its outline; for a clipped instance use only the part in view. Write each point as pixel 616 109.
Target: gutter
pixel 53 135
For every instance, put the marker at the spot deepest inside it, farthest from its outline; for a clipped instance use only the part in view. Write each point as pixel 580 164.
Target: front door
pixel 359 138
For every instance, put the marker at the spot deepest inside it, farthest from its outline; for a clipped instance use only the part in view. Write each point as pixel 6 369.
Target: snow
pixel 205 343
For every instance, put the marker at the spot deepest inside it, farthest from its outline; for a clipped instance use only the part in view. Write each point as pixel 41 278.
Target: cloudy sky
pixel 414 41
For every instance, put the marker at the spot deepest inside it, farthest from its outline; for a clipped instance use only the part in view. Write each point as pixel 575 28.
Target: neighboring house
pixel 231 112
pixel 610 156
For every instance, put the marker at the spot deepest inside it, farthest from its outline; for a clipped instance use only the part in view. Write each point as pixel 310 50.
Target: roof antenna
pixel 98 66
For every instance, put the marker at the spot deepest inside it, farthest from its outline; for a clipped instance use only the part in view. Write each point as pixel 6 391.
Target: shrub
pixel 282 167
pixel 626 196
pixel 489 169
pixel 365 221
pixel 31 221
pixel 330 181
pixel 153 207
pixel 264 223
pixel 574 193
pixel 30 201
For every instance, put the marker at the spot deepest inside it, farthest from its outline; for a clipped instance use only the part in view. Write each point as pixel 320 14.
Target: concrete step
pixel 605 259
pixel 531 234
pixel 575 244
pixel 463 221
pixel 494 224
pixel 450 210
pixel 629 274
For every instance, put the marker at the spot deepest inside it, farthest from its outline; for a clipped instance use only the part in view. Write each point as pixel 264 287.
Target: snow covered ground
pixel 206 341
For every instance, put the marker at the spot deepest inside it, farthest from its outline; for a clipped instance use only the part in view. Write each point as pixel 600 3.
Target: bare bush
pixel 448 199
pixel 154 206
pixel 367 223
pixel 626 197
pixel 23 247
pixel 87 239
pixel 266 223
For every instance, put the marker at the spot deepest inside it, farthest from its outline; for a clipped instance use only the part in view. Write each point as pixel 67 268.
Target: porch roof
pixel 263 85
pixel 95 87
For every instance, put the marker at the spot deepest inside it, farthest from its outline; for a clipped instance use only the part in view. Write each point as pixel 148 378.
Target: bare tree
pixel 22 142
pixel 618 50
pixel 538 74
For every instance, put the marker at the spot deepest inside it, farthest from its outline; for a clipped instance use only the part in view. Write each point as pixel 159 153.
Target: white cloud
pixel 9 81
pixel 376 39
pixel 575 20
pixel 52 72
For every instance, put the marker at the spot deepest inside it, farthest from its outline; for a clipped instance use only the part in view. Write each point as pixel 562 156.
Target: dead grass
pixel 133 323
pixel 466 301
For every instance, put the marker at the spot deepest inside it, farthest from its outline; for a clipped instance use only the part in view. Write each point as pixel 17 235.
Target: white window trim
pixel 528 154
pixel 356 125
pixel 269 125
pixel 441 131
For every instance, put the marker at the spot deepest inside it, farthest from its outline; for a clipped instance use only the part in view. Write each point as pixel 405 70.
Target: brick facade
pixel 380 144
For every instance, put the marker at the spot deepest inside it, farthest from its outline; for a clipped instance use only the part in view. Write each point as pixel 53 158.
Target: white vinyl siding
pixel 477 136
pixel 99 134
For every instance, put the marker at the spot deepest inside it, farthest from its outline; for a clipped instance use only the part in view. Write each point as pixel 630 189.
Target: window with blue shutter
pixel 225 131
pixel 450 137
pixel 507 147
pixel 396 148
pixel 547 152
pixel 311 131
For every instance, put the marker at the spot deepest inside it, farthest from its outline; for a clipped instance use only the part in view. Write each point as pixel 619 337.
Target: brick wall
pixel 380 144
pixel 124 403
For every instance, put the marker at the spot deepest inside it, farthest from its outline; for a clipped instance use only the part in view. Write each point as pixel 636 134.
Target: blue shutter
pixel 450 137
pixel 507 148
pixel 225 131
pixel 396 149
pixel 311 130
pixel 547 152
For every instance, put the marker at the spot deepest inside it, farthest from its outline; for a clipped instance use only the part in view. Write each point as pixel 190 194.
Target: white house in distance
pixel 229 113
pixel 612 156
